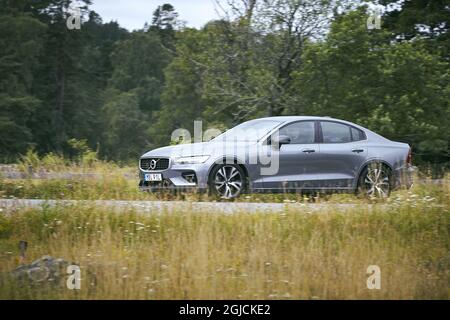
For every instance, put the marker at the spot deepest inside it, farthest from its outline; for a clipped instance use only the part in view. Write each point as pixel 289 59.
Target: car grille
pixel 161 163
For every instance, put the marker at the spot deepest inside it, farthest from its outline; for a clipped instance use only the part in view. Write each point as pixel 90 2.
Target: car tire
pixel 227 181
pixel 375 181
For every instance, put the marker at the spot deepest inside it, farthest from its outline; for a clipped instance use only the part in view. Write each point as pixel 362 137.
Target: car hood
pixel 196 149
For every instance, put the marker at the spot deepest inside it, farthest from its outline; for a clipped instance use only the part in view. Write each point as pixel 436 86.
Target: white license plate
pixel 153 177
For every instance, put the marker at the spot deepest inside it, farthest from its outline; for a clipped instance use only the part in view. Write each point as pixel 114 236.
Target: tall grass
pixel 115 186
pixel 100 179
pixel 205 255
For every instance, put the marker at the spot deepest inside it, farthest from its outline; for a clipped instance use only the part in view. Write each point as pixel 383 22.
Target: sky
pixel 132 14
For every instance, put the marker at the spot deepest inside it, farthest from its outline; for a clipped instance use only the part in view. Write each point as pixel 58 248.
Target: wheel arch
pixel 369 161
pixel 235 160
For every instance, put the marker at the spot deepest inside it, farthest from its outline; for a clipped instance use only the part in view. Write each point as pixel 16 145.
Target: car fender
pixel 370 160
pixel 235 159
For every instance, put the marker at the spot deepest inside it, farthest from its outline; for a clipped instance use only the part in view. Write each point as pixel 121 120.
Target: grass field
pixel 189 255
pixel 207 255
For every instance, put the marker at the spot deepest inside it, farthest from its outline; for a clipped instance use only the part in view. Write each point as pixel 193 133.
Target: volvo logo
pixel 153 163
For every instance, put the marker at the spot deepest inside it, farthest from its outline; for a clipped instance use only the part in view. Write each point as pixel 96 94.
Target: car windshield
pixel 248 131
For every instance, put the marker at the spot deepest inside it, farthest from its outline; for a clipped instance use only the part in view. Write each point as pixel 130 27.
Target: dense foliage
pixel 125 92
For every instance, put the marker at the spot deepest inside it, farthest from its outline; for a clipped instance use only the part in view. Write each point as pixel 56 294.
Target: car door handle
pixel 358 150
pixel 308 150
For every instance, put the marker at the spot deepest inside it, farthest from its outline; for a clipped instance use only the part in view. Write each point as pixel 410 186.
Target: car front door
pixel 343 151
pixel 297 160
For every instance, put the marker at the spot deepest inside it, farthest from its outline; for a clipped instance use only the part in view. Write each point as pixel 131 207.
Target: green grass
pixel 99 179
pixel 116 186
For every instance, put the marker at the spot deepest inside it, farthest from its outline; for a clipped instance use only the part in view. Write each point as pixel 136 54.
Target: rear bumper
pixel 403 176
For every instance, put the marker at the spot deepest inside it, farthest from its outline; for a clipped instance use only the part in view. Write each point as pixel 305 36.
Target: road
pixel 171 206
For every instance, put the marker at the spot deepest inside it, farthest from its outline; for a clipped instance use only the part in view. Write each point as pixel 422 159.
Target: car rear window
pixel 333 132
pixel 357 134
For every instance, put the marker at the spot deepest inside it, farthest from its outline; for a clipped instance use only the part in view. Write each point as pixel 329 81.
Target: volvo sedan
pixel 282 154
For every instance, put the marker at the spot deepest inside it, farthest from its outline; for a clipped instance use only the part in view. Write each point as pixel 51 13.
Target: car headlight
pixel 190 159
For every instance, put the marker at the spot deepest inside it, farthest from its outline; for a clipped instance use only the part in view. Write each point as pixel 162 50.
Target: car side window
pixel 333 132
pixel 357 135
pixel 300 132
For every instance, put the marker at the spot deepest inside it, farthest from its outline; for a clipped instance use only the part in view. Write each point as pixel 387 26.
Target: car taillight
pixel 409 157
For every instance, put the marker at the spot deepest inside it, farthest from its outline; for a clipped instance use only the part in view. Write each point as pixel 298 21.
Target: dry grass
pixel 188 255
pixel 114 186
pixel 206 255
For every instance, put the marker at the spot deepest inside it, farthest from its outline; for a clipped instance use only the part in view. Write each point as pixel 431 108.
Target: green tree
pixel 20 45
pixel 138 63
pixel 138 71
pixel 182 101
pixel 165 23
pixel 397 89
pixel 242 66
pixel 426 19
pixel 124 128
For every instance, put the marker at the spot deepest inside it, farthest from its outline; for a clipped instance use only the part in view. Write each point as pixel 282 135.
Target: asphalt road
pixel 171 206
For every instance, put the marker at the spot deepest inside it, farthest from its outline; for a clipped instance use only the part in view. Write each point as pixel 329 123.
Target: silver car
pixel 282 154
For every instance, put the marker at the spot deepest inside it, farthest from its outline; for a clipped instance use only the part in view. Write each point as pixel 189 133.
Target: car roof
pixel 290 118
pixel 295 118
pixel 370 134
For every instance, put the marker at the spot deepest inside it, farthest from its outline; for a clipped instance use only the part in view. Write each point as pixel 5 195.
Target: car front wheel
pixel 227 181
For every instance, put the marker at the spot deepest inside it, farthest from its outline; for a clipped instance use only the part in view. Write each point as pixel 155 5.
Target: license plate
pixel 152 177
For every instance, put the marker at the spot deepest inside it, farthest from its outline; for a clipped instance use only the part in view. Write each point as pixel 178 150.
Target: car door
pixel 297 161
pixel 343 151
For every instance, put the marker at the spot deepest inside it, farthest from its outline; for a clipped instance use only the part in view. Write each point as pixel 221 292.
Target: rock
pixel 46 269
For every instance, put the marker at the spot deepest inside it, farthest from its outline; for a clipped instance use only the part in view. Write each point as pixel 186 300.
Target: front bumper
pixel 177 177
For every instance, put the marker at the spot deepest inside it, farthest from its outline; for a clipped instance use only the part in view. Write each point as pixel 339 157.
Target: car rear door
pixel 343 150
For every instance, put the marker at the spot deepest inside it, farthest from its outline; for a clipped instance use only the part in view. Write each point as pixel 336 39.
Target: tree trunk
pixel 60 113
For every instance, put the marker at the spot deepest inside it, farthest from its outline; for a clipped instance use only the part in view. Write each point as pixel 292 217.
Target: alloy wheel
pixel 228 181
pixel 377 181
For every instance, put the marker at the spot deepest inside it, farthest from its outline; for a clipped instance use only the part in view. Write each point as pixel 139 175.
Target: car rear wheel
pixel 227 181
pixel 375 181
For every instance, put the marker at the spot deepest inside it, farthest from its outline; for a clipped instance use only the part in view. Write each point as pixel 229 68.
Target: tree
pixel 251 58
pixel 138 64
pixel 424 19
pixel 124 129
pixel 165 17
pixel 20 45
pixel 181 99
pixel 164 23
pixel 397 89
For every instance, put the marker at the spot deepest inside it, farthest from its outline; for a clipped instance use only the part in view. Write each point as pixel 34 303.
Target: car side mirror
pixel 279 141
